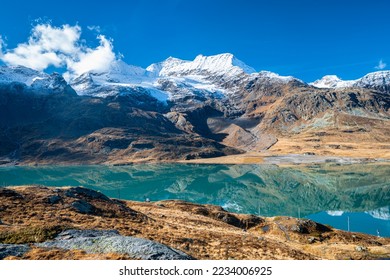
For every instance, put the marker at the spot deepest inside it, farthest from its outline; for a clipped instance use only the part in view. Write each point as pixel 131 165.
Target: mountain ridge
pixel 207 107
pixel 376 80
pixel 224 66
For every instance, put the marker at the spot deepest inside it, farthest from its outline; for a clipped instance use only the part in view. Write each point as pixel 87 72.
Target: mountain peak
pixel 119 67
pixel 377 80
pixel 274 76
pixel 226 63
pixel 228 57
pixel 155 69
pixel 36 81
pixel 221 64
pixel 332 81
pixel 20 74
pixel 377 77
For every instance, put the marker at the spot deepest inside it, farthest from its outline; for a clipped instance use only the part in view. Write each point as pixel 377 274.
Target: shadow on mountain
pixel 66 128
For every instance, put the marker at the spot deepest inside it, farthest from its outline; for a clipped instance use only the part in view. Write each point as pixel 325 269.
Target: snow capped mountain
pixel 221 64
pixel 175 79
pixel 335 213
pixel 37 81
pixel 114 82
pixel 172 79
pixel 119 72
pixel 379 80
pixel 121 78
pixel 178 109
pixel 21 74
pixel 158 69
pixel 332 81
pixel 381 213
pixel 273 77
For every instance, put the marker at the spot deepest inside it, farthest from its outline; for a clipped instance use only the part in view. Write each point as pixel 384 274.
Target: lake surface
pixel 330 194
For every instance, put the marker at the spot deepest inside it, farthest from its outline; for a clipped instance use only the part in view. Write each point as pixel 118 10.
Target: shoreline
pixel 279 160
pixel 245 158
pixel 286 159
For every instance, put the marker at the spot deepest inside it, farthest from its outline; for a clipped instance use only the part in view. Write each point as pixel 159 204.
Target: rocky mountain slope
pixel 180 110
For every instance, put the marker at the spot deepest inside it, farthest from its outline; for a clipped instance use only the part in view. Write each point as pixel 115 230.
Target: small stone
pixel 311 240
pixel 265 228
pixel 360 249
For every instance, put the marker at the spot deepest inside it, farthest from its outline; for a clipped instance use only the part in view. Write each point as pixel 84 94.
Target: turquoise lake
pixel 329 193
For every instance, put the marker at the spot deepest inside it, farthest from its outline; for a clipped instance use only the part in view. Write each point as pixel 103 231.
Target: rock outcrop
pixel 103 242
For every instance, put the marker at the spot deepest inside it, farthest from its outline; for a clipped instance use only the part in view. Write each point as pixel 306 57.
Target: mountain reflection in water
pixel 314 191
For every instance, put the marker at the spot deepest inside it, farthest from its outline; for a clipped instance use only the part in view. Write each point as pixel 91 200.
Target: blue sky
pixel 306 39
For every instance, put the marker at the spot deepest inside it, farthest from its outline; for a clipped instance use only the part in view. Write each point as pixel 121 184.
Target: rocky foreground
pixel 77 223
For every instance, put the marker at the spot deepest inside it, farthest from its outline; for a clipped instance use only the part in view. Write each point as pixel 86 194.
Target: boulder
pixel 103 242
pixel 54 199
pixel 5 192
pixel 83 207
pixel 79 192
pixel 7 250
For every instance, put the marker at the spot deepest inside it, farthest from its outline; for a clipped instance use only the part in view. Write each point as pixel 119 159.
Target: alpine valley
pixel 178 110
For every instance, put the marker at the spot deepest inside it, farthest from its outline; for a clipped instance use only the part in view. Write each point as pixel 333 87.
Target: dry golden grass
pixel 340 135
pixel 306 145
pixel 59 254
pixel 331 147
pixel 202 231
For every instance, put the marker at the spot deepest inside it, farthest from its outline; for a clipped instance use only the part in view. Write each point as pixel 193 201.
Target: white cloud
pixel 32 57
pixel 50 38
pixel 98 59
pixel 94 28
pixel 60 47
pixel 381 65
pixel 46 46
